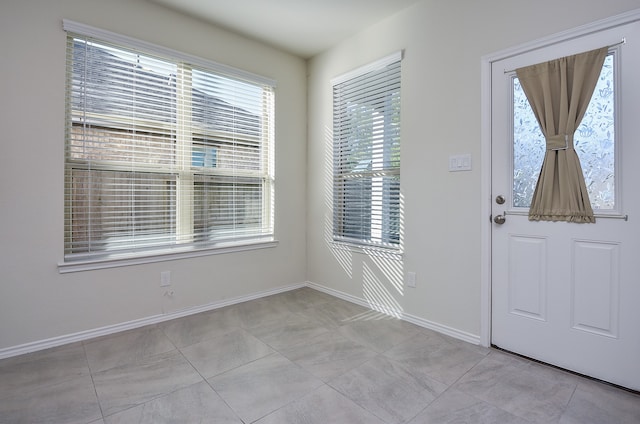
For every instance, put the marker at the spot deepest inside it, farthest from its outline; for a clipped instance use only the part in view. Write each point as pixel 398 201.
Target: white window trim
pixel 104 35
pixel 373 66
pixel 391 253
pixel 124 259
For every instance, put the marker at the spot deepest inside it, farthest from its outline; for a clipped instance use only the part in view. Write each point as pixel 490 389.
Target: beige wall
pixel 36 302
pixel 443 42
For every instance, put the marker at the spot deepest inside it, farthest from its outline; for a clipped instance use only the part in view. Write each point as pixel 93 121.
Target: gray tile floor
pixel 297 357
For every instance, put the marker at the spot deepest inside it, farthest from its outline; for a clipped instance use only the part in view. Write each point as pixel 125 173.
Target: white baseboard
pixel 130 325
pixel 449 331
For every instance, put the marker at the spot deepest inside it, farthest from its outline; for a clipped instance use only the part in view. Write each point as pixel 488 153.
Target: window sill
pixel 115 261
pixel 377 251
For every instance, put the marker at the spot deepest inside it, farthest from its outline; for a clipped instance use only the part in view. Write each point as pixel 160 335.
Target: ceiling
pixel 302 27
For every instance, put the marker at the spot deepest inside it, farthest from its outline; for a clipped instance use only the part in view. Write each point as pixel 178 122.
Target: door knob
pixel 499 219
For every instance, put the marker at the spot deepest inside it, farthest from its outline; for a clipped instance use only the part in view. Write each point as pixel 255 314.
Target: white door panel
pixel 595 281
pixel 565 293
pixel 527 278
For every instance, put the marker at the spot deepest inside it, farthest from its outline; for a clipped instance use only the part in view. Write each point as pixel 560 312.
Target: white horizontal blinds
pixel 161 154
pixel 367 156
pixel 231 120
pixel 120 188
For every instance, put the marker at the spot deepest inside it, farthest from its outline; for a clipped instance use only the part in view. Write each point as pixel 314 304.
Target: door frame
pixel 485 149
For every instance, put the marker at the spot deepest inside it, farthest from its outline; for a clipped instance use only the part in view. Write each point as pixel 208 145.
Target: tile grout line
pixel 206 381
pixel 95 390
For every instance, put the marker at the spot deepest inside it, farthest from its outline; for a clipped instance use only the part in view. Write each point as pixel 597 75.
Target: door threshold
pixel 588 377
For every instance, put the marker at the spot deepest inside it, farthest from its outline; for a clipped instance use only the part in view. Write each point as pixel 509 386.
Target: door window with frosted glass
pixel 594 142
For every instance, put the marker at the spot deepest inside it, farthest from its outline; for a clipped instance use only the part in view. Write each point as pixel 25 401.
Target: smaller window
pixel 594 142
pixel 366 172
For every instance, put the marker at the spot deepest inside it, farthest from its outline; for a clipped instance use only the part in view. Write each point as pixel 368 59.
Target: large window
pixel 163 154
pixel 366 174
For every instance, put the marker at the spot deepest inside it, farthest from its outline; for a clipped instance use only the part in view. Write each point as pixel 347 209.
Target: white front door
pixel 563 293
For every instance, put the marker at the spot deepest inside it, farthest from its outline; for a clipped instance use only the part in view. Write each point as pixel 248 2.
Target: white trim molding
pixel 449 331
pixel 156 319
pixel 130 325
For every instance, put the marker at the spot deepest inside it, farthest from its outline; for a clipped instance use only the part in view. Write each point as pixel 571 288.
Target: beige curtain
pixel 559 92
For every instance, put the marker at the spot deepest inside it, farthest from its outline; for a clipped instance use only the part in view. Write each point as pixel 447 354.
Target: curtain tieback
pixel 560 142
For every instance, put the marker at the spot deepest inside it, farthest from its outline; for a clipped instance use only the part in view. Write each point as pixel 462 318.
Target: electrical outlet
pixel 411 279
pixel 165 278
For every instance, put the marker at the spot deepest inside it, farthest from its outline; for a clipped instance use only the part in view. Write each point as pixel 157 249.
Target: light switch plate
pixel 460 163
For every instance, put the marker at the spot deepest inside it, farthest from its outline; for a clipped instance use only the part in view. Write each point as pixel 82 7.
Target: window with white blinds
pixel 162 153
pixel 366 134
